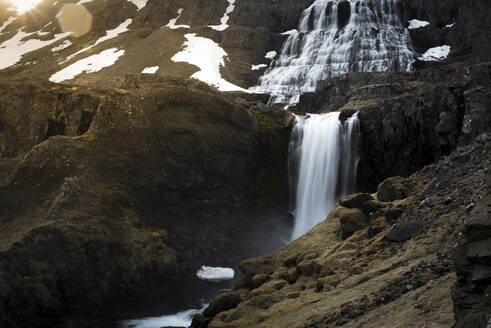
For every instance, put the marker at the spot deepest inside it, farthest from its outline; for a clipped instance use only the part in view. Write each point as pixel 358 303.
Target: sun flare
pixel 21 6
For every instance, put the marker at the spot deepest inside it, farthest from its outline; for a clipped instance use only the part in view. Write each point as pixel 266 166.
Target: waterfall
pixel 335 37
pixel 323 160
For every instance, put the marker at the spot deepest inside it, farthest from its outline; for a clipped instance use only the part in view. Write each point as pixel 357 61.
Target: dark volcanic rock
pixel 394 189
pixel 403 231
pixel 355 200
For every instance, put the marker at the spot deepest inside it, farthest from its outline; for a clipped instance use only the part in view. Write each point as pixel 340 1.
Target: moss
pixel 265 123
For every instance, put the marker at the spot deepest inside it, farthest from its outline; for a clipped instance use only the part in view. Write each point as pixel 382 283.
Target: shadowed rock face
pixel 90 206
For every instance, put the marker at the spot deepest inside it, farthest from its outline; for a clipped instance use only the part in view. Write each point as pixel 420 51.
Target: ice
pixel 83 1
pixel 436 53
pixel 150 70
pixel 215 273
pixel 415 23
pixel 209 57
pixel 90 64
pixel 290 32
pixel 172 22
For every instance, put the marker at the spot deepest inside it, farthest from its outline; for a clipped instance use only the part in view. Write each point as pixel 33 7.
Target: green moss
pixel 265 123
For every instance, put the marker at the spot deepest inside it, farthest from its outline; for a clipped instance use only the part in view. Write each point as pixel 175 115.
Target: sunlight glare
pixel 21 6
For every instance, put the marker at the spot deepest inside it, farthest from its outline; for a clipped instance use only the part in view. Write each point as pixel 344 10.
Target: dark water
pixel 241 235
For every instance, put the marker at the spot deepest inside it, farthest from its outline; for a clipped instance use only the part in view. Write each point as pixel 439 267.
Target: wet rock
pixel 355 200
pixel 352 220
pixel 403 231
pixel 393 189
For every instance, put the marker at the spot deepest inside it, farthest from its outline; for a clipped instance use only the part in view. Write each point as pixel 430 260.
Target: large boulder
pixel 393 189
pixel 352 220
pixel 355 200
pixel 403 231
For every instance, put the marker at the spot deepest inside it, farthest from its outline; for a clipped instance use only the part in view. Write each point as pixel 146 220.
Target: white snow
pixel 416 23
pixel 12 50
pixel 290 32
pixel 139 3
pixel 449 25
pixel 150 70
pixel 7 23
pixel 223 26
pixel 436 54
pixel 271 55
pixel 62 46
pixel 181 319
pixel 81 2
pixel 208 56
pixel 110 34
pixel 215 273
pixel 172 22
pixel 90 64
pixel 258 67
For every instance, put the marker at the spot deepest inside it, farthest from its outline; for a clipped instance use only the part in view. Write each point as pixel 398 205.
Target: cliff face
pixel 95 179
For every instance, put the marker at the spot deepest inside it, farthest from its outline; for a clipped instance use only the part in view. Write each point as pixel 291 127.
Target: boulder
pixel 373 206
pixel 393 189
pixel 352 220
pixel 403 231
pixel 355 200
pixel 222 303
pixel 393 213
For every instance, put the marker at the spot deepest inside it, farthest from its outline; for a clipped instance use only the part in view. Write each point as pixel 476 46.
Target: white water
pixel 180 319
pixel 335 37
pixel 323 161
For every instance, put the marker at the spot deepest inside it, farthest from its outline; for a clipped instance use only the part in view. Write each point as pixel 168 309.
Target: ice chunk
pixel 271 55
pixel 215 273
pixel 258 67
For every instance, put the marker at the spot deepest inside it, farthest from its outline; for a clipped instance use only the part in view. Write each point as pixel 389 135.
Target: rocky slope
pixel 394 254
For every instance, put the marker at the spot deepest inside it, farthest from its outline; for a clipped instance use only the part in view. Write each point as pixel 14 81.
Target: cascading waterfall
pixel 335 37
pixel 323 160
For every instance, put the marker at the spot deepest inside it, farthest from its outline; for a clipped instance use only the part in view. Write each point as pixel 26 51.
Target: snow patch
pixel 12 50
pixel 62 46
pixel 88 65
pixel 258 67
pixel 449 25
pixel 150 70
pixel 110 34
pixel 436 54
pixel 7 23
pixel 208 56
pixel 271 55
pixel 139 3
pixel 416 23
pixel 172 22
pixel 223 26
pixel 81 2
pixel 215 273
